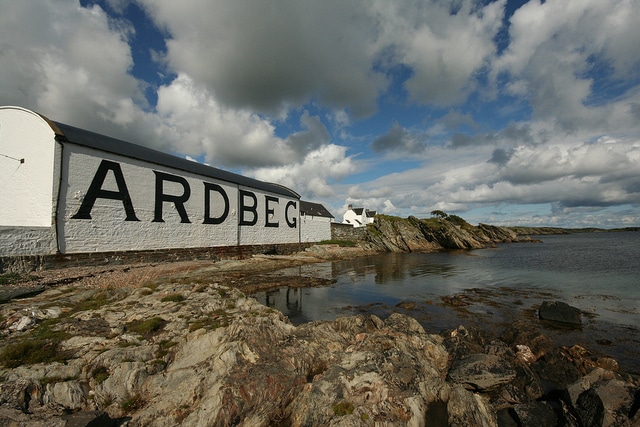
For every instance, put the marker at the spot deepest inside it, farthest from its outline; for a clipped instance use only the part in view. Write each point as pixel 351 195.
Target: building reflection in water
pixel 287 300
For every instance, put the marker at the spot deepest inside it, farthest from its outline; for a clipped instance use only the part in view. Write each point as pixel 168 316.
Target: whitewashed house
pixel 315 222
pixel 358 217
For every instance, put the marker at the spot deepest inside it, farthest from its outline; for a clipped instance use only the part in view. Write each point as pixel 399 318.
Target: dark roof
pixel 314 209
pixel 370 214
pixel 66 133
pixel 358 211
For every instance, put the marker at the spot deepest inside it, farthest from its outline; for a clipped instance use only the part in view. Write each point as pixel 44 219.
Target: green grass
pixel 173 298
pixel 164 345
pixel 30 352
pixel 41 345
pixel 220 319
pixel 342 243
pixel 146 328
pixel 11 278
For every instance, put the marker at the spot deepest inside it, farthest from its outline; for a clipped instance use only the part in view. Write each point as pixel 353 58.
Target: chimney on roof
pixel 350 207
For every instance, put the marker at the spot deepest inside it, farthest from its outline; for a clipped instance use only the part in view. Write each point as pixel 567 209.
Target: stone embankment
pixel 192 351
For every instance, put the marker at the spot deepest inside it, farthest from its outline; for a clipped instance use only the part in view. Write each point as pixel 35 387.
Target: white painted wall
pixel 109 230
pixel 314 228
pixel 33 222
pixel 26 189
pixel 19 241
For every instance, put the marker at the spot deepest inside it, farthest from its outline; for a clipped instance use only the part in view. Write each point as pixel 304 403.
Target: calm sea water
pixel 596 272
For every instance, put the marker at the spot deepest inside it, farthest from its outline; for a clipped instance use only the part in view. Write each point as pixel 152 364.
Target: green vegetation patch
pixel 146 328
pixel 132 403
pixel 164 347
pixel 218 319
pixel 41 345
pixel 94 302
pixel 343 408
pixel 11 278
pixel 29 352
pixel 173 298
pixel 339 242
pixel 100 374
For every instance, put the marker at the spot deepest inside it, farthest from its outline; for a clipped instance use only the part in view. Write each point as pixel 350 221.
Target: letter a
pixel 95 191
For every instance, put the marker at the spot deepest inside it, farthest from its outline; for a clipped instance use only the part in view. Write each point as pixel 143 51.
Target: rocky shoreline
pixel 183 344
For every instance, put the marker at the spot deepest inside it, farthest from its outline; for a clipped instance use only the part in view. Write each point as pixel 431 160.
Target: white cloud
pixel 67 62
pixel 555 50
pixel 313 177
pixel 197 125
pixel 244 70
pixel 269 56
pixel 444 50
pixel 605 172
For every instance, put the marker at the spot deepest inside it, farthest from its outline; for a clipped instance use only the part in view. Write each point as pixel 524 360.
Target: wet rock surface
pixel 561 313
pixel 188 348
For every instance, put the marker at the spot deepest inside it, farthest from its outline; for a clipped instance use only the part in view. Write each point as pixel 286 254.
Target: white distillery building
pixel 358 217
pixel 66 190
pixel 315 222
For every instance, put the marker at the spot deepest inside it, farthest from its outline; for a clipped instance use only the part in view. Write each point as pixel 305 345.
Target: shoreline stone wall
pixel 347 232
pixel 18 264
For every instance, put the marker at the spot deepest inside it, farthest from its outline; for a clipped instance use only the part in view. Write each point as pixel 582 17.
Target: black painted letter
pixel 270 212
pixel 291 223
pixel 245 208
pixel 208 188
pixel 178 201
pixel 95 191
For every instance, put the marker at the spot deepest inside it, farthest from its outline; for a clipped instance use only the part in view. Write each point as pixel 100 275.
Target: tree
pixel 439 214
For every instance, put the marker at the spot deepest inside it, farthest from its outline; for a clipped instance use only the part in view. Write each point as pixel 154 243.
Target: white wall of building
pixel 110 229
pixel 71 198
pixel 314 228
pixel 358 217
pixel 27 187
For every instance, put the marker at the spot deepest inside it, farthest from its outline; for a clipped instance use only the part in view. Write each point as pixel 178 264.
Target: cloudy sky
pixel 505 112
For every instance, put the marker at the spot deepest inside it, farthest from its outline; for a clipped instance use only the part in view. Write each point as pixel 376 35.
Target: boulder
pixel 521 334
pixel 534 414
pixel 481 372
pixel 560 312
pixel 601 399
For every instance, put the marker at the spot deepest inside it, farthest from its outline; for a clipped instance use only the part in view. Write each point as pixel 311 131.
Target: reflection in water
pixel 500 283
pixel 385 279
pixel 287 300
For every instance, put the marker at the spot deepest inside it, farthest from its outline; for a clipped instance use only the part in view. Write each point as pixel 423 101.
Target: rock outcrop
pixel 396 234
pixel 204 354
